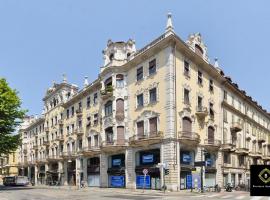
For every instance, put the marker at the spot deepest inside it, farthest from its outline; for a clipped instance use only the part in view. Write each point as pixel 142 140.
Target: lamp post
pixel 203 152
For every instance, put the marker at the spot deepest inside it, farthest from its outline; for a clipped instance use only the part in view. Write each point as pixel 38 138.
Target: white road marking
pixel 256 198
pixel 213 195
pixel 240 197
pixel 227 196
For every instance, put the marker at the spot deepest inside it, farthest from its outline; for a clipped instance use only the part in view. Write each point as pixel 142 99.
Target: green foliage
pixel 11 116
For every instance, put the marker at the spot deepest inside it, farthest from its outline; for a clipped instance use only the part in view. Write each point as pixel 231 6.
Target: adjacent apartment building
pixel 163 106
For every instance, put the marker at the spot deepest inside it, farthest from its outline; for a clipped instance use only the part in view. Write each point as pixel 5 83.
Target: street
pixel 54 193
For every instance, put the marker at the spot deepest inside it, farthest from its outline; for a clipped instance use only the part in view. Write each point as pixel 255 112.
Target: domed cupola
pixel 196 44
pixel 117 53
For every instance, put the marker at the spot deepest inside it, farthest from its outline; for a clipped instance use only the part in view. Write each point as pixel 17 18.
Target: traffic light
pixel 167 171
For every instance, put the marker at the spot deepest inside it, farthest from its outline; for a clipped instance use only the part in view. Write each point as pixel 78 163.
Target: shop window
pixel 186 158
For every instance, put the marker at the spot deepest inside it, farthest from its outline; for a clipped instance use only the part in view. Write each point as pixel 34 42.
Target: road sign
pixel 145 171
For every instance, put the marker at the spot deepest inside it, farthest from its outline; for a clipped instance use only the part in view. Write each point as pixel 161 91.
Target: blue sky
pixel 41 40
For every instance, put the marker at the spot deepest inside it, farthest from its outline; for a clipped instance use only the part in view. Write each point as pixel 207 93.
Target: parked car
pixel 15 181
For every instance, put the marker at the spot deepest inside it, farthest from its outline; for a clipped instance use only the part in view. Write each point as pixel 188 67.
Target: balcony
pixel 79 131
pixel 228 145
pixel 91 150
pixel 69 154
pixel 79 112
pixel 212 145
pixel 146 140
pixel 120 116
pixel 241 151
pixel 60 122
pixel 59 138
pixel 41 160
pixel 266 157
pixel 255 154
pixel 107 92
pixel 236 127
pixel 261 139
pixel 52 158
pixel 189 138
pixel 113 146
pixel 46 129
pixel 46 143
pixel 201 112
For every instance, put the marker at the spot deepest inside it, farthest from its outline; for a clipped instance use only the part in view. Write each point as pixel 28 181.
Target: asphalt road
pixel 51 193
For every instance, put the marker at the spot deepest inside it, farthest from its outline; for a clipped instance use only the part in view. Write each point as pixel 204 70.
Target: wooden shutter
pixel 186 126
pixel 140 129
pixel 120 135
pixel 153 126
pixel 211 135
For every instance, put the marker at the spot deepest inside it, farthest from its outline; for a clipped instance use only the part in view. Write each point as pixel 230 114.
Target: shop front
pixel 116 171
pixel 148 160
pixel 41 175
pixel 93 172
pixel 52 175
pixel 210 170
pixel 71 172
pixel 187 166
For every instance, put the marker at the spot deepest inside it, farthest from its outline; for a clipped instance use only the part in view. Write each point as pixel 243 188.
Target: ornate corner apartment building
pixel 165 103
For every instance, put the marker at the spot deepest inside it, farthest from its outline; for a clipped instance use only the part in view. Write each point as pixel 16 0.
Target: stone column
pixel 78 172
pixel 130 169
pixel 229 177
pixel 60 171
pixel 103 170
pixel 46 169
pixel 65 178
pixel 29 173
pixel 84 169
pixel 36 175
pixel 236 179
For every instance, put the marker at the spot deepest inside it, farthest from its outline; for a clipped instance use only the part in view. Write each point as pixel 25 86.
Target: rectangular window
pixel 67 113
pixel 95 98
pixel 225 116
pixel 72 110
pixel 140 128
pixel 186 96
pixel 96 140
pixel 186 68
pixel 200 79
pixel 153 126
pixel 211 110
pixel 139 73
pixel 140 100
pixel 80 105
pixel 88 102
pixel 96 119
pixel 211 85
pixel 152 67
pixel 227 158
pixel 153 95
pixel 200 103
pixel 225 95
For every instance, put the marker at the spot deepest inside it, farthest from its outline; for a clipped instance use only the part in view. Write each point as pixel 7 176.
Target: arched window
pixel 187 125
pixel 119 80
pixel 211 134
pixel 198 50
pixel 108 82
pixel 108 108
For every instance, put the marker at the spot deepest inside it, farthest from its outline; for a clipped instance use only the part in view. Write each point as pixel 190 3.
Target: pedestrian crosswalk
pixel 231 196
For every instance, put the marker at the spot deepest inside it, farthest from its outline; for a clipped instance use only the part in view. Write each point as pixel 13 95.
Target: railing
pixel 108 90
pixel 212 142
pixel 188 135
pixel 60 121
pixel 201 109
pixel 150 135
pixel 79 112
pixel 113 142
pixel 236 126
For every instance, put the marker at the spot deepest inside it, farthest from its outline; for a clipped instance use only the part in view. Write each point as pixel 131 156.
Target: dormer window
pixel 198 50
pixel 128 54
pixel 111 56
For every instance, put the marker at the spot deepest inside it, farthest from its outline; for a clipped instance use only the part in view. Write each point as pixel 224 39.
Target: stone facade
pixel 164 106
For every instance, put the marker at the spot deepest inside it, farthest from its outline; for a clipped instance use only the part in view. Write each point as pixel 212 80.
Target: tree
pixel 11 116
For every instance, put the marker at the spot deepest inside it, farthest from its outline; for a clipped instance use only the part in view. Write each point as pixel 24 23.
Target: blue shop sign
pixel 117 181
pixel 148 158
pixel 208 162
pixel 116 162
pixel 186 158
pixel 189 181
pixel 140 182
